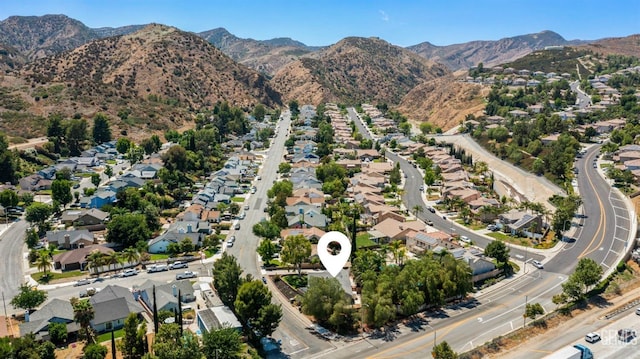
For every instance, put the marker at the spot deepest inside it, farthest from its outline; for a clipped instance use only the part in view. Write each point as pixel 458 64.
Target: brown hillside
pixel 159 74
pixel 443 102
pixel 629 45
pixel 10 58
pixel 356 70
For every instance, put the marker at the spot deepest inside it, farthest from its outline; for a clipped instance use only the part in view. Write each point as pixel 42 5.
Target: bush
pixel 95 351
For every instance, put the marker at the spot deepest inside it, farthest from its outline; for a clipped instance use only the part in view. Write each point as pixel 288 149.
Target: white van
pixel 236 224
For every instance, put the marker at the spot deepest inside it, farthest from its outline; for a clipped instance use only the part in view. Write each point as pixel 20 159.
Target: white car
pixel 465 239
pixel 186 275
pixel 229 243
pixel 592 337
pixel 129 272
pixel 537 264
pixel 178 265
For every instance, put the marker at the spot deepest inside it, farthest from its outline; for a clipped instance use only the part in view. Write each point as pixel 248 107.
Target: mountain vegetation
pixel 490 53
pixel 356 70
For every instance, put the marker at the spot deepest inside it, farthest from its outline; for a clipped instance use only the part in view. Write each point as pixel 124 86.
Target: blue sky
pixel 324 22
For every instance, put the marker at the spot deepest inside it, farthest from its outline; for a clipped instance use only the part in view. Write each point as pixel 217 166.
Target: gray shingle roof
pixel 113 309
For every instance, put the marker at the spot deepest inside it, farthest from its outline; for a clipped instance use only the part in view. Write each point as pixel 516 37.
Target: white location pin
pixel 334 263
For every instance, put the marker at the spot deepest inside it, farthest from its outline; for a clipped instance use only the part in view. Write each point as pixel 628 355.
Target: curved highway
pixel 602 237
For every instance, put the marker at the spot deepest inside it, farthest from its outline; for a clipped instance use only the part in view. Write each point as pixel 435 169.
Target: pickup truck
pixel 577 351
pixel 186 275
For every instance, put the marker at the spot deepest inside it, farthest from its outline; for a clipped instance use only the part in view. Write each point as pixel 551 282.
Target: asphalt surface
pixel 582 100
pixel 296 340
pixel 500 310
pixel 12 247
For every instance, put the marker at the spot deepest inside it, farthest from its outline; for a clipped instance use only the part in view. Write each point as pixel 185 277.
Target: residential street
pixel 12 247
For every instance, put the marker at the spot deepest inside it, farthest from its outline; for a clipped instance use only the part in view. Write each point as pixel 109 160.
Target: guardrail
pixel 623 309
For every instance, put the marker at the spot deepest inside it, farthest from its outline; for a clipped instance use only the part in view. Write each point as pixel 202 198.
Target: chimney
pixel 67 241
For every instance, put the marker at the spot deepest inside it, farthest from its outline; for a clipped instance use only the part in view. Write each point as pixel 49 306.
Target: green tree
pixel 58 332
pixel 294 107
pixel 28 297
pixel 534 310
pixel 588 272
pixel 95 179
pixel 32 238
pixel 295 251
pixel 223 343
pixel 108 170
pixel 226 278
pixel 9 198
pixel 76 135
pixel 43 262
pixel 254 308
pixel 267 250
pixel 425 128
pixel 61 191
pixel 443 350
pixel 325 300
pixel 123 145
pixel 280 191
pixel 95 260
pixel 284 167
pixel 128 229
pixel 169 344
pixel 259 112
pixel 266 229
pixel 101 129
pixel 186 245
pixel 175 158
pixel 83 314
pixel 132 344
pixel 94 351
pixel 498 250
pixel 38 213
pixel 394 176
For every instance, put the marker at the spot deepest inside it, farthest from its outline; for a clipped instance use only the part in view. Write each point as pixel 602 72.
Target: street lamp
pixel 434 335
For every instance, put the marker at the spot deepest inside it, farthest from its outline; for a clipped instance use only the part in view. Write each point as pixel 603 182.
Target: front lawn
pixel 522 241
pixel 106 337
pixel 39 276
pixel 159 256
pixel 237 199
pixel 364 240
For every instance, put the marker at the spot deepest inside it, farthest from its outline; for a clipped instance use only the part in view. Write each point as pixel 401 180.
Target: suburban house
pixel 306 217
pixel 54 311
pixel 216 318
pixel 77 258
pixel 70 239
pixel 166 294
pixel 519 222
pixel 421 241
pixel 34 183
pixel 312 234
pixel 395 230
pixel 79 218
pixel 112 305
pixel 99 199
pixel 195 231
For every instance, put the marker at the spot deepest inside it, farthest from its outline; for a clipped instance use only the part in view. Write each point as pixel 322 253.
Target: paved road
pixel 297 341
pixel 499 311
pixel 12 247
pixel 582 100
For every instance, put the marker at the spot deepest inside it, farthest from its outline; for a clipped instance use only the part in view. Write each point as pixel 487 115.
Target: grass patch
pixel 364 240
pixel 295 281
pixel 106 337
pixel 237 199
pixel 159 256
pixel 112 162
pixel 38 277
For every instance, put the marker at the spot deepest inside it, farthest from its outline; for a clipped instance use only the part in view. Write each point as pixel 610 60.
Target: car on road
pixel 82 282
pixel 429 223
pixel 638 311
pixel 537 264
pixel 595 165
pixel 186 275
pixel 421 188
pixel 431 209
pixel 232 238
pixel 77 185
pixel 258 178
pixel 264 280
pixel 626 334
pixel 592 337
pixel 129 272
pixel 253 190
pixel 246 207
pixel 229 243
pixel 157 268
pixel 178 265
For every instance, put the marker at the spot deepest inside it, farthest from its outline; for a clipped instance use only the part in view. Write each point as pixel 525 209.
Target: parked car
pixel 429 223
pixel 253 190
pixel 465 239
pixel 229 243
pixel 178 265
pixel 157 268
pixel 638 311
pixel 82 282
pixel 258 178
pixel 592 337
pixel 186 275
pixel 537 264
pixel 88 292
pixel 264 280
pixel 246 207
pixel 129 272
pixel 431 209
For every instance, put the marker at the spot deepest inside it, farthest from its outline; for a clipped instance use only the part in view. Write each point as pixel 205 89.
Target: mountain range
pixel 158 75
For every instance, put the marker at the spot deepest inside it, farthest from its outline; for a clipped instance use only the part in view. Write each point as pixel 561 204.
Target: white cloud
pixel 384 16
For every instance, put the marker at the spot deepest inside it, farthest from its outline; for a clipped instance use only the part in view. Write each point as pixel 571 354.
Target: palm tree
pixel 43 262
pixel 417 209
pixel 95 260
pixel 130 255
pixel 112 259
pixel 396 247
pixel 83 314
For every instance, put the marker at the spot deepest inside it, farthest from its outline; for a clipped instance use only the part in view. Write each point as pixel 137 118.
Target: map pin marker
pixel 334 263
